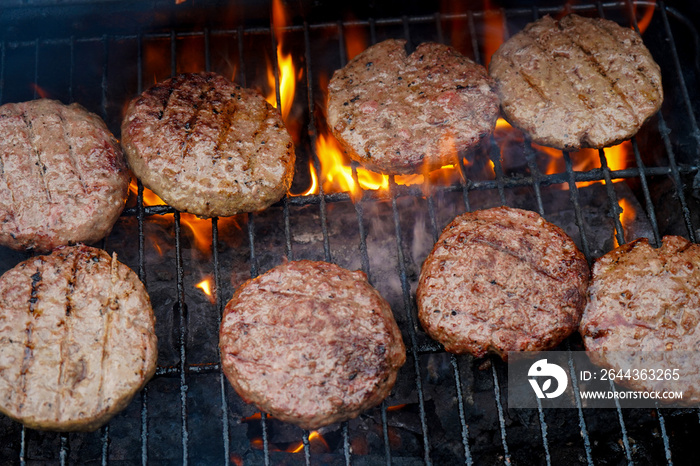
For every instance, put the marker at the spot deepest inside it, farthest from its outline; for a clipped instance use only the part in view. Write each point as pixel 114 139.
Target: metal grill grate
pixel 483 437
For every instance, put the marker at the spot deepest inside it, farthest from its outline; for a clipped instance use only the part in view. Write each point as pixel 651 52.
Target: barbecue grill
pixel 445 409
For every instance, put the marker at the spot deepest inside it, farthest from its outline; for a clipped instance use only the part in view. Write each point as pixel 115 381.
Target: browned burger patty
pixel 395 113
pixel 310 343
pixel 578 82
pixel 77 339
pixel 502 280
pixel 208 146
pixel 63 177
pixel 646 299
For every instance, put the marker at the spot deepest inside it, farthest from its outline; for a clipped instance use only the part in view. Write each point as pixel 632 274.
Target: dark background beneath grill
pixel 87 52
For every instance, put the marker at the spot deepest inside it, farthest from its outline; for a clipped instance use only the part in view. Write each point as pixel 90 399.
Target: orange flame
pixel 314 438
pixel 355 41
pixel 644 22
pixel 285 65
pixel 206 286
pixel 39 91
pixel 493 31
pixel 628 215
pixel 200 228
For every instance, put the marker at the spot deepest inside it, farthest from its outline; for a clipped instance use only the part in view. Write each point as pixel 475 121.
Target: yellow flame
pixel 285 65
pixel 205 286
pixel 314 436
pixel 313 189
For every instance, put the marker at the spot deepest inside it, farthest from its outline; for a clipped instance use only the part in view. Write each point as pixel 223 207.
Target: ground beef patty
pixel 395 113
pixel 643 299
pixel 208 146
pixel 77 339
pixel 63 178
pixel 310 343
pixel 578 82
pixel 502 280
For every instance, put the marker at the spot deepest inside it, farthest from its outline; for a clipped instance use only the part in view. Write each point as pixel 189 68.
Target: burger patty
pixel 646 300
pixel 77 339
pixel 207 146
pixel 578 82
pixel 502 280
pixel 63 177
pixel 310 343
pixel 398 113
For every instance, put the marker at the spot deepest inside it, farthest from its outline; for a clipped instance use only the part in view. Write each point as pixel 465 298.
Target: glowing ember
pixel 206 286
pixel 395 407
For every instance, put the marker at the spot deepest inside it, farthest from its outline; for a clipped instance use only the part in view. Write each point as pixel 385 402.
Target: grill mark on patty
pixel 28 344
pixel 606 30
pixel 228 112
pixel 106 319
pixel 191 125
pixel 600 68
pixel 571 89
pixel 68 138
pixel 505 250
pixel 6 180
pixel 40 166
pixel 65 355
pixel 530 82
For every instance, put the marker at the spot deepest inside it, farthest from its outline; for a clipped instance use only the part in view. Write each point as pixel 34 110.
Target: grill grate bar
pixel 543 430
pixel 574 195
pixel 535 173
pixel 453 358
pixel 65 449
pixel 579 407
pixel 385 433
pixel 651 213
pixel 2 69
pixel 266 442
pixel 220 310
pixel 615 209
pixel 460 405
pixel 595 174
pixel 623 428
pixel 408 308
pixel 181 309
pixel 71 75
pixel 420 19
pixel 679 72
pixel 105 445
pixel 103 107
pixel 103 83
pixel 141 257
pixel 501 417
pixel 307 447
pixel 664 435
pixel 313 135
pixel 23 446
pixel 36 68
pixel 317 168
pixel 676 177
